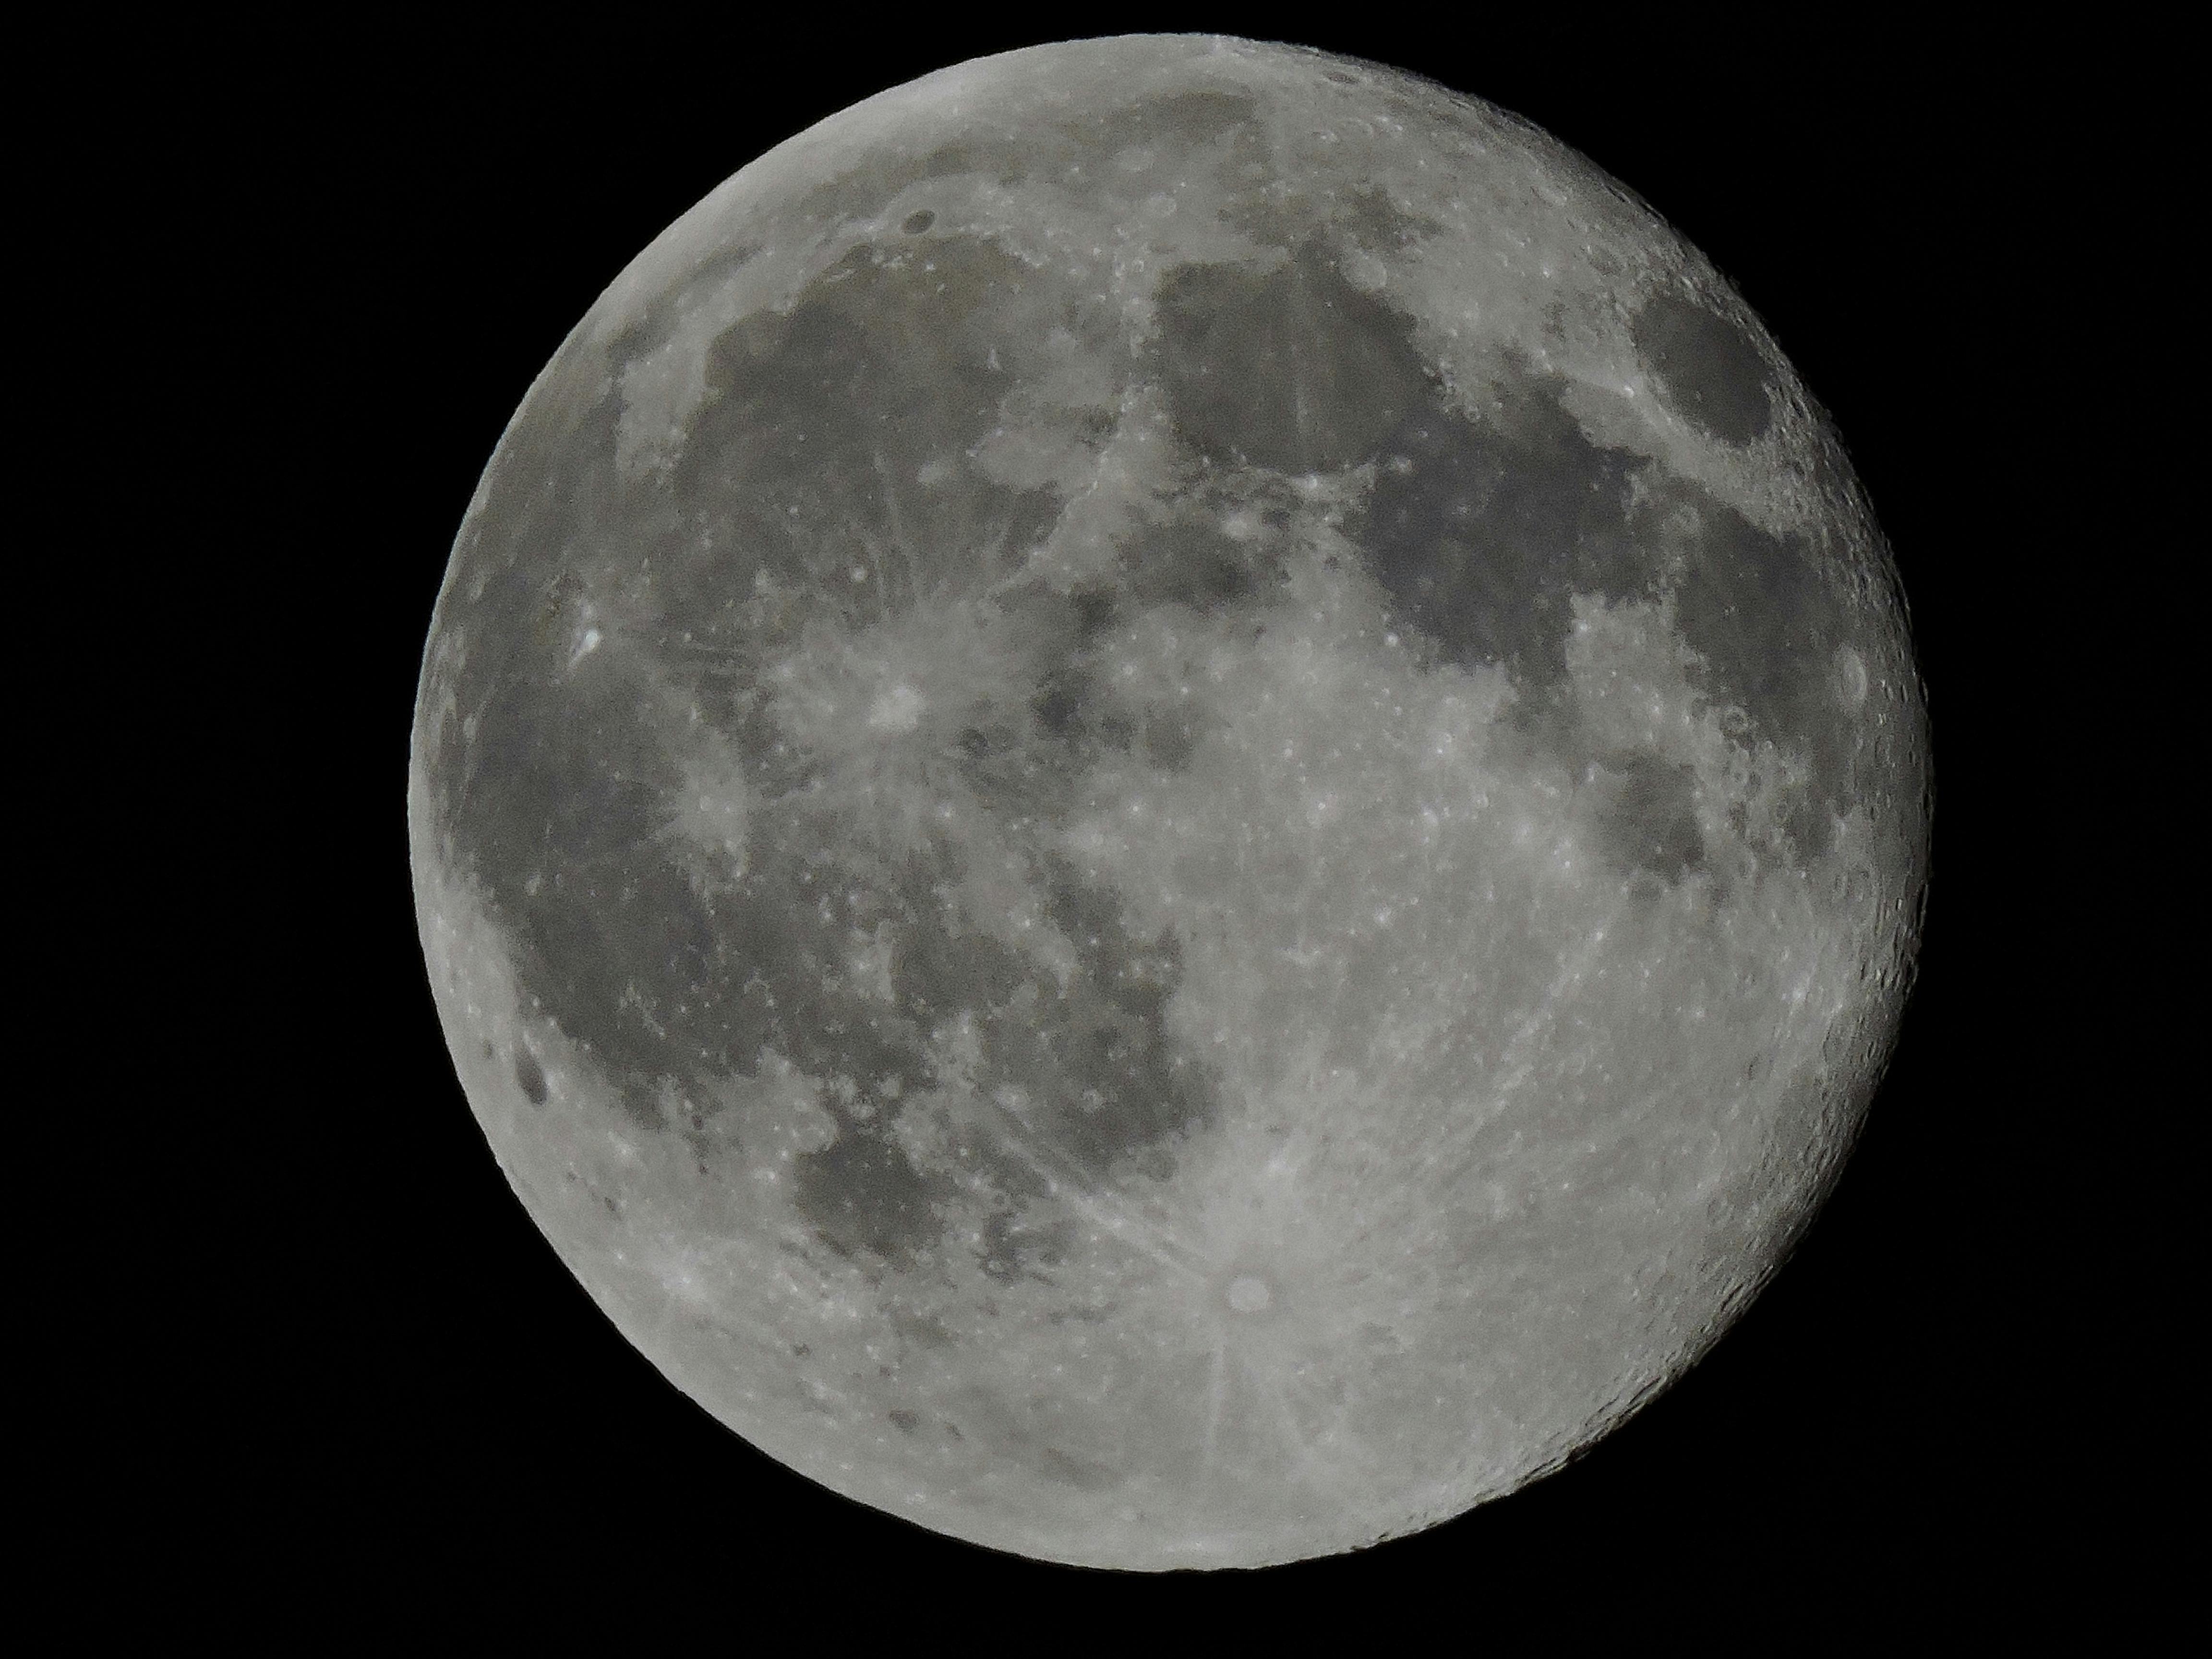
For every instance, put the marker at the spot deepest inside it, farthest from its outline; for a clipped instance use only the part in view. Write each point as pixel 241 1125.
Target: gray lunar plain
pixel 1169 803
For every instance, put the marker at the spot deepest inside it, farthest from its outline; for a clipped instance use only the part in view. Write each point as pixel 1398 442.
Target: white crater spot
pixel 1850 676
pixel 1248 1293
pixel 1366 272
pixel 898 709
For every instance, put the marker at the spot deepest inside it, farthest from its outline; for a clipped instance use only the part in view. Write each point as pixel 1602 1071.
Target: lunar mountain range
pixel 1169 803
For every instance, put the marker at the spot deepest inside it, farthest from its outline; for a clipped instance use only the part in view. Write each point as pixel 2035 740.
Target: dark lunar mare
pixel 1481 530
pixel 1706 366
pixel 560 800
pixel 1291 369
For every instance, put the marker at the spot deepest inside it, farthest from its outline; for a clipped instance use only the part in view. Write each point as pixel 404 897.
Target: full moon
pixel 1169 803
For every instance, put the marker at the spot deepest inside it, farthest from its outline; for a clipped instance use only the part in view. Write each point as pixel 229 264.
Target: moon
pixel 1169 803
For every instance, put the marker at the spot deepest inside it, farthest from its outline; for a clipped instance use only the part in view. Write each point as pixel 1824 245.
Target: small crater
pixel 1850 677
pixel 1248 1293
pixel 917 221
pixel 530 1076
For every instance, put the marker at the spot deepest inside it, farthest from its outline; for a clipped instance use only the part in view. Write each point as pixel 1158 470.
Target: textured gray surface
pixel 1169 803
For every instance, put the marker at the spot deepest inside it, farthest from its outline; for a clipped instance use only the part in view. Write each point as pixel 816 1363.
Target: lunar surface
pixel 1169 803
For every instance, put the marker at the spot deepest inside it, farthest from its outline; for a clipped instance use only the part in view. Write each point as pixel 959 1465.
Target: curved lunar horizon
pixel 1169 803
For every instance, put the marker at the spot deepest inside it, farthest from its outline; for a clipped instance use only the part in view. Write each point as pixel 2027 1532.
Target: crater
pixel 1248 1293
pixel 1850 677
pixel 1706 367
pixel 530 1077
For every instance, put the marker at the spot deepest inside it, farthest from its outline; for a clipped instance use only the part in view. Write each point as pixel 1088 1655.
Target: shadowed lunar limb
pixel 1168 803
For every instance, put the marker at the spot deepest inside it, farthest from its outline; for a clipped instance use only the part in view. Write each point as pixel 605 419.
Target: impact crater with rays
pixel 1169 803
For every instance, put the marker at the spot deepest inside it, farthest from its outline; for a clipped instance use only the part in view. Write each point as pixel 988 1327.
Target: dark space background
pixel 389 1407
